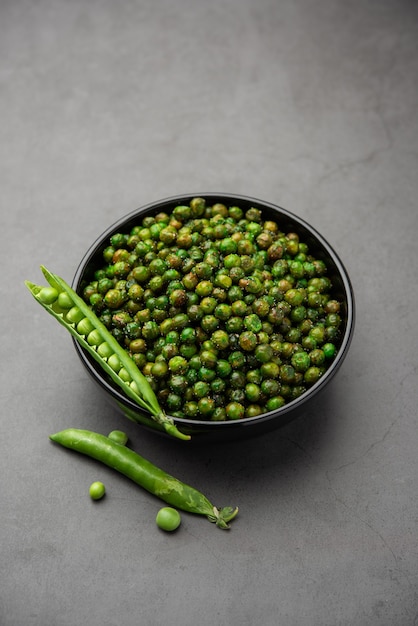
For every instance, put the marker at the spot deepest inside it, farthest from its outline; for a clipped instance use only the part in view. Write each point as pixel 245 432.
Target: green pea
pixel 206 406
pixel 227 246
pixel 97 490
pixel 221 339
pixel 85 326
pixel 236 359
pixel 201 389
pixel 174 401
pixel 207 374
pixel 178 365
pixel 239 308
pixel 114 298
pixel 270 387
pixel 235 410
pixel 248 341
pixel 48 295
pixel 218 415
pixel 317 356
pixel 119 437
pixel 168 519
pixel 270 370
pixel 253 323
pixel 253 410
pixel 64 300
pixel 208 358
pixel 275 403
pixel 222 280
pixel 104 350
pixel 159 369
pixel 234 324
pixel 263 353
pixel 287 373
pixel 74 315
pixel 252 392
pixel 301 361
pixel 94 338
pixel 209 323
pixel 204 288
pixel 329 350
pixel 191 408
pixel 223 311
pixel 124 375
pixel 312 374
pixel 114 362
pixel 223 368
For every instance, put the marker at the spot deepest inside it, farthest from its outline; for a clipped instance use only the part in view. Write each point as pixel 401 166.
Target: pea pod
pixel 66 306
pixel 144 473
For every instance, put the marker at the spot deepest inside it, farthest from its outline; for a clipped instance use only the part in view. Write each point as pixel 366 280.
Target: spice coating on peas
pixel 227 276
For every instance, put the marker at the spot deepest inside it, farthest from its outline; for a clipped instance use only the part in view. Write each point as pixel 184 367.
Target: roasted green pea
pixel 235 410
pixel 248 341
pixel 329 350
pixel 201 389
pixel 300 361
pixel 252 392
pixel 317 356
pixel 312 374
pixel 275 403
pixel 206 406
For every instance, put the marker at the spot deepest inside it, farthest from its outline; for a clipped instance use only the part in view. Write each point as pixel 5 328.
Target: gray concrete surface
pixel 311 104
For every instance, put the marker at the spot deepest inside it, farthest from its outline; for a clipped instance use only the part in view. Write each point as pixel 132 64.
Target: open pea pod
pixel 66 306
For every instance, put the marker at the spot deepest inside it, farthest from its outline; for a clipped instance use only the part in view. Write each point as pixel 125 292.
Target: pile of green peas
pixel 225 314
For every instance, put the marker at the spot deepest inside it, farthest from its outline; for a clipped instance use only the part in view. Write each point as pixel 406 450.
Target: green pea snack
pixel 204 313
pixel 61 301
pixel 145 474
pixel 207 299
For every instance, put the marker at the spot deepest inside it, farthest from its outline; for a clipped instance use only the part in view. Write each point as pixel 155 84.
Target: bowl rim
pixel 225 197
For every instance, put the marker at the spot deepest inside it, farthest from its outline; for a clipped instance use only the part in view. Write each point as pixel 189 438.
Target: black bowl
pixel 203 430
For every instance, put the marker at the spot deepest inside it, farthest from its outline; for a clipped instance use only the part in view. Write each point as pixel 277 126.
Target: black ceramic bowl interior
pixel 202 430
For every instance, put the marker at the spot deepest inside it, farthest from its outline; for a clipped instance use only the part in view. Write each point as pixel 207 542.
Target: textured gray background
pixel 311 104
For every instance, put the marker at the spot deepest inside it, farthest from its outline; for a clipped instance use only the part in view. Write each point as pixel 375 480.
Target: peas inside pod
pixel 225 315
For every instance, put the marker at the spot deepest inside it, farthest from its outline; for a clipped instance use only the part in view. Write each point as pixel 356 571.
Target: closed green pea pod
pixel 144 473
